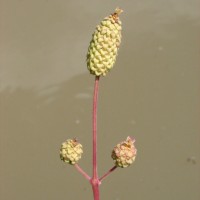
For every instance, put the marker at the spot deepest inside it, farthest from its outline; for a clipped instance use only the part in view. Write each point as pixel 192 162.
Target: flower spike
pixel 103 48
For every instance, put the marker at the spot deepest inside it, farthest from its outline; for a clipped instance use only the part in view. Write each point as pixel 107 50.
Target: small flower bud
pixel 71 151
pixel 104 45
pixel 124 153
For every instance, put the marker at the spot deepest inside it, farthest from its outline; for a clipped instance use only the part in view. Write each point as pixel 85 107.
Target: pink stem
pixel 95 189
pixel 109 172
pixel 82 172
pixel 95 175
pixel 95 181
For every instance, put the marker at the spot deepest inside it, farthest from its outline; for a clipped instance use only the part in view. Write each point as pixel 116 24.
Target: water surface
pixel 152 94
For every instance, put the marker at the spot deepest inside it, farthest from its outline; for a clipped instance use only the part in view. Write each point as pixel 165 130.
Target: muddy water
pixel 151 94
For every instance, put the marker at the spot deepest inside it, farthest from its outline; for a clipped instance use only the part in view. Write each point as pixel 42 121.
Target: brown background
pixel 152 94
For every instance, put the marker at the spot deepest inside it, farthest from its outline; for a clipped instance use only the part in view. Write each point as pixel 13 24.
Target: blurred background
pixel 151 94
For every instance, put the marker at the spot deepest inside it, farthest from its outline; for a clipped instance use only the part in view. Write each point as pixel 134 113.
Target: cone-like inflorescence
pixel 71 151
pixel 124 153
pixel 104 45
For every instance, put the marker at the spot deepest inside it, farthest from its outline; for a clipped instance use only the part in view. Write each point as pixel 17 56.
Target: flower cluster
pixel 124 153
pixel 71 151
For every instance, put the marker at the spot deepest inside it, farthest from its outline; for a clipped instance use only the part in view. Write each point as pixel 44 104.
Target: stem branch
pixel 108 173
pixel 82 172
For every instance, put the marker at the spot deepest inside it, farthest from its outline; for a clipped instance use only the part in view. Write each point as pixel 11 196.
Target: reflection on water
pixel 43 46
pixel 151 94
